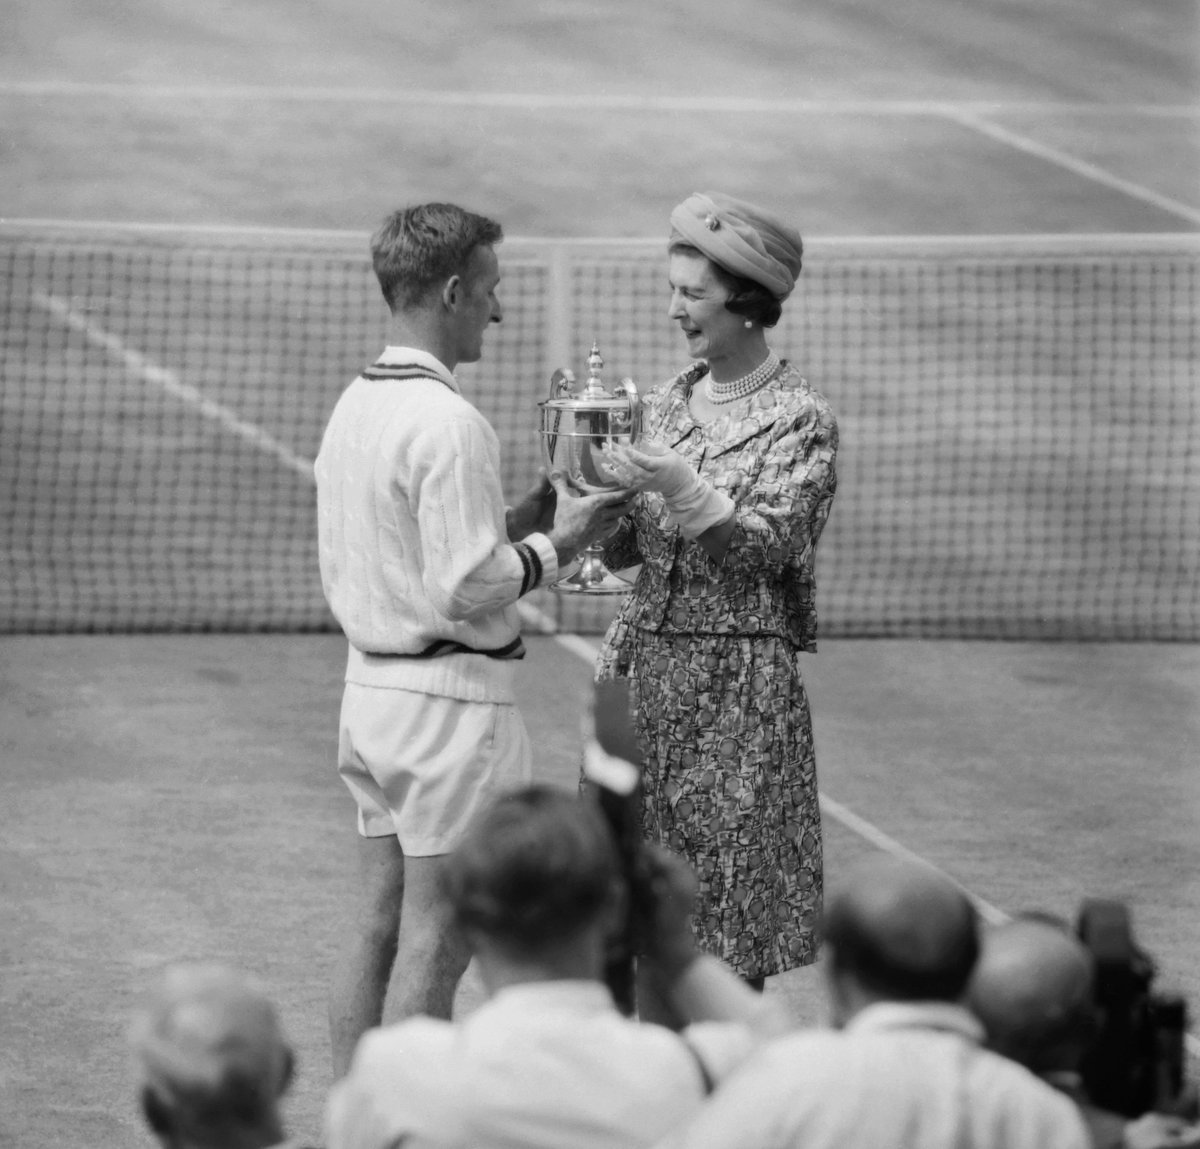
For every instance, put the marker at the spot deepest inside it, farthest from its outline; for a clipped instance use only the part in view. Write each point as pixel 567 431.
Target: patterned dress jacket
pixel 774 455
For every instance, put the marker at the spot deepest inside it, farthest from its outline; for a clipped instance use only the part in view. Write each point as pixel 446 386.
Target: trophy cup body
pixel 577 423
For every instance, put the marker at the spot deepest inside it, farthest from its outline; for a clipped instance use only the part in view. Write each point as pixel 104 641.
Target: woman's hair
pixel 536 867
pixel 746 297
pixel 417 249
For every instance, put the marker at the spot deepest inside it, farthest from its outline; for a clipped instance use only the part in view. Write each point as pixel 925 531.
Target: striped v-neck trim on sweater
pixel 410 363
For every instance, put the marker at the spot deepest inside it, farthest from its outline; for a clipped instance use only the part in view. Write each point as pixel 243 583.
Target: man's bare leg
pixel 360 980
pixel 432 956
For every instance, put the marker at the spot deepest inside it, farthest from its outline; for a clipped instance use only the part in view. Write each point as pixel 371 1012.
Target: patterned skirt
pixel 731 785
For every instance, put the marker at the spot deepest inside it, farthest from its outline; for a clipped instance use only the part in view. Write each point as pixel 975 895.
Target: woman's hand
pixel 693 502
pixel 650 466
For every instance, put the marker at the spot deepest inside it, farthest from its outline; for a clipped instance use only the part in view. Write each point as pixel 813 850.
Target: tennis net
pixel 1018 421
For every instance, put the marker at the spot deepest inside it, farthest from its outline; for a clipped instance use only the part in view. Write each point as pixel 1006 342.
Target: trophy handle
pixel 629 387
pixel 561 382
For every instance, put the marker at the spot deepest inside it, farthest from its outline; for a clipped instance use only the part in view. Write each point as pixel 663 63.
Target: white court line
pixel 877 838
pixel 137 364
pixel 595 101
pixel 1052 244
pixel 578 646
pixel 1073 164
pixel 538 620
pixel 870 833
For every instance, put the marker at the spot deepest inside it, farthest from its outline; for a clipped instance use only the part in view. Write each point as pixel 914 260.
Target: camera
pixel 1137 1061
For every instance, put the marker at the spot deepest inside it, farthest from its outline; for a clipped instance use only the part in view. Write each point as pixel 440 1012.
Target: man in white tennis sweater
pixel 423 565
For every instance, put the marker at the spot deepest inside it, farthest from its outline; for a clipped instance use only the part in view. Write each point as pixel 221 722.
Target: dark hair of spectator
pixel 415 250
pixel 746 297
pixel 536 867
pixel 883 962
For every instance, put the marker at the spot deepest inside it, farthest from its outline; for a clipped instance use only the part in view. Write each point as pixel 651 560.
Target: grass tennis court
pixel 172 796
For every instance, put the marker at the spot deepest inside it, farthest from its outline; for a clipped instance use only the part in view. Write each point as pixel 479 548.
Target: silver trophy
pixel 577 423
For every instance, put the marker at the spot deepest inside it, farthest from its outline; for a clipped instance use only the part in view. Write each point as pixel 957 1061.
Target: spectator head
pixel 1032 990
pixel 898 931
pixel 211 1060
pixel 417 249
pixel 537 870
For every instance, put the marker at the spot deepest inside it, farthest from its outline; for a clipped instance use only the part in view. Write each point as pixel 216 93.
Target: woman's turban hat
pixel 743 239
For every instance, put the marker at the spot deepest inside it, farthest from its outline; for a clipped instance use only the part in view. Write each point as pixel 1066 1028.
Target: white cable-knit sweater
pixel 414 552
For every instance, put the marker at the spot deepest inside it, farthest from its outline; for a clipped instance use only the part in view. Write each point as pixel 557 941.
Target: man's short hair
pixel 904 934
pixel 209 1052
pixel 535 868
pixel 415 250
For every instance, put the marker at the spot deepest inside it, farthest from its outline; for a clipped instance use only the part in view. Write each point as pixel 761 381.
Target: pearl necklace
pixel 720 393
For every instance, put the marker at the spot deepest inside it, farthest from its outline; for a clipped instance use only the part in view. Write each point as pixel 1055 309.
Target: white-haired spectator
pixel 211 1060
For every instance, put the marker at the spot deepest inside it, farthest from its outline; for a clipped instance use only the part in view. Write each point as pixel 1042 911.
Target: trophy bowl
pixel 577 424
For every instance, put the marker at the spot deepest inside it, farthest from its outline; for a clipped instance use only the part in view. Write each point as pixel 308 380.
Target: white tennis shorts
pixel 420 766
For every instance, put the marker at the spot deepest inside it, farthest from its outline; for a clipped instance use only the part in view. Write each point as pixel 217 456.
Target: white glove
pixel 693 503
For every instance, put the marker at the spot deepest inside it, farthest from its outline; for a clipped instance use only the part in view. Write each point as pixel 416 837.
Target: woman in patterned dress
pixel 736 469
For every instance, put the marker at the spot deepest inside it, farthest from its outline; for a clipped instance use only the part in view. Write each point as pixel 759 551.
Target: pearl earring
pixel 749 323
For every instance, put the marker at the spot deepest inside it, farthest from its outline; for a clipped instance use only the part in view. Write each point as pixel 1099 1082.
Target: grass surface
pixel 329 115
pixel 315 163
pixel 176 798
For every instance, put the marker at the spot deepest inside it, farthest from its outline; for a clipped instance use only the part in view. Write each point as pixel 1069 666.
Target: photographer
pixel 1034 991
pixel 536 888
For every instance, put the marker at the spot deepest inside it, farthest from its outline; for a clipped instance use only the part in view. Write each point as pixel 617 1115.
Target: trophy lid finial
pixel 595 362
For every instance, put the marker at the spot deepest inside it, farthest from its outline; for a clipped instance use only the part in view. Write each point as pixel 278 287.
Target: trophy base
pixel 589 582
pixel 592 577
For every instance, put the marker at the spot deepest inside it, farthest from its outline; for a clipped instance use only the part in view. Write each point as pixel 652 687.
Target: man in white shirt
pixel 548 1061
pixel 422 565
pixel 904 1067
